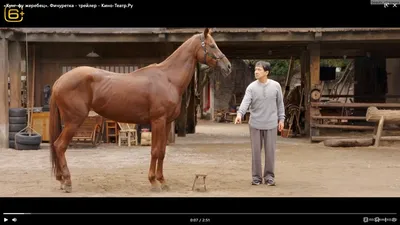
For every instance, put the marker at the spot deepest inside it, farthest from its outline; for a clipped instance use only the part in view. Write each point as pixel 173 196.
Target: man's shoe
pixel 255 183
pixel 270 182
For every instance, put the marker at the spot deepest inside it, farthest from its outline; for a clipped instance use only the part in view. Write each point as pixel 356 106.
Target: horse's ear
pixel 206 32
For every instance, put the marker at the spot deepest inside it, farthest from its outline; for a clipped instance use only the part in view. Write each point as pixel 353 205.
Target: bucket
pixel 285 133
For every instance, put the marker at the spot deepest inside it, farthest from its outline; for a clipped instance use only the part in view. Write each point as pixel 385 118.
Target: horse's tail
pixel 54 131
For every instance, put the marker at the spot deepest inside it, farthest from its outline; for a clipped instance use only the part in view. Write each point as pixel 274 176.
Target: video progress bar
pixel 365 214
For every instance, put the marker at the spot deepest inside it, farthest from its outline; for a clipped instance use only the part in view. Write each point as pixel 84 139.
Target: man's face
pixel 259 72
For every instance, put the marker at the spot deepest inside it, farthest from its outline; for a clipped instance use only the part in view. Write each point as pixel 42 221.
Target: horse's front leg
pixel 161 156
pixel 158 143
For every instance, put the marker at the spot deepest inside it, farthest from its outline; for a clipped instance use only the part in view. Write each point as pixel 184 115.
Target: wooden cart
pixel 91 130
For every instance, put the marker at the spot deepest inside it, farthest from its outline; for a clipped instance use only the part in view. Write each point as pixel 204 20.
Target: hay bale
pixel 145 139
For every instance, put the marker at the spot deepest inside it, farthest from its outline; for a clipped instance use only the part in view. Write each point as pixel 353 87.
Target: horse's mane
pixel 160 63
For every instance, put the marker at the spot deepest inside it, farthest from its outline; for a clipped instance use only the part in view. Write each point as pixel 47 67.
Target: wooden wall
pixel 50 58
pixel 371 79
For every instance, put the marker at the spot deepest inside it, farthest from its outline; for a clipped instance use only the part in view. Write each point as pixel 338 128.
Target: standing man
pixel 267 113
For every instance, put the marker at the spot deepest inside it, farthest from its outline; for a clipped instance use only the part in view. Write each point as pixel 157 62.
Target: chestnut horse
pixel 150 95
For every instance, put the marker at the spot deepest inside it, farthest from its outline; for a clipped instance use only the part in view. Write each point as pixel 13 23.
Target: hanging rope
pixel 30 101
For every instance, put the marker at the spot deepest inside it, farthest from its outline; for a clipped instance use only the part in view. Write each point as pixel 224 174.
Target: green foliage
pixel 334 62
pixel 280 66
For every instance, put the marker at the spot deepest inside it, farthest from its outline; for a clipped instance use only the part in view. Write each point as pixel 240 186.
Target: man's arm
pixel 280 105
pixel 245 102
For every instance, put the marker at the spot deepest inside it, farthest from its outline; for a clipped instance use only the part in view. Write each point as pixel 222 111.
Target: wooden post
pixel 191 110
pixel 171 136
pixel 3 91
pixel 314 81
pixel 305 84
pixel 14 54
pixel 379 131
pixel 182 118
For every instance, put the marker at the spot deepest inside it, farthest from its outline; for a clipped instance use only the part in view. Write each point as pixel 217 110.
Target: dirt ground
pixel 222 151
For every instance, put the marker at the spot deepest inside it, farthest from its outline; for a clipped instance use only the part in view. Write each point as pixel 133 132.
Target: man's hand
pixel 280 126
pixel 238 119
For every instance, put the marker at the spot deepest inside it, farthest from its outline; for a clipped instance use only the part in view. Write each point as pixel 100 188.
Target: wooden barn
pixel 46 53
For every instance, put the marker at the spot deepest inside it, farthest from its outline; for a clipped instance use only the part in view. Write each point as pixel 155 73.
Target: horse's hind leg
pixel 61 145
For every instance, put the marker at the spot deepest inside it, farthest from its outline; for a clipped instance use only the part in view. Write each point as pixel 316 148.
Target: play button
pixel 5 220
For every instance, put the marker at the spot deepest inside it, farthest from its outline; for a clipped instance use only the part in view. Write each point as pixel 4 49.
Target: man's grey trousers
pixel 258 139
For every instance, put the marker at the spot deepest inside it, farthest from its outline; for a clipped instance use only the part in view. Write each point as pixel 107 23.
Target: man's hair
pixel 265 65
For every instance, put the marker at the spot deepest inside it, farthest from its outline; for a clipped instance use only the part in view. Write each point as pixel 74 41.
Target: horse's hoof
pixel 61 186
pixel 165 187
pixel 155 189
pixel 67 188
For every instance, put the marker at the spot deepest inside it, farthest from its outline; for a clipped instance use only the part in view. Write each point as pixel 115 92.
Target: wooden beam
pixel 305 84
pixel 379 130
pixel 282 50
pixel 91 38
pixel 348 127
pixel 244 36
pixel 181 121
pixel 393 35
pixel 171 136
pixel 355 105
pixel 191 110
pixel 390 138
pixel 264 37
pixel 14 54
pixel 374 115
pixel 349 142
pixel 314 82
pixel 340 117
pixel 315 64
pixel 3 92
pixel 169 37
pixel 323 138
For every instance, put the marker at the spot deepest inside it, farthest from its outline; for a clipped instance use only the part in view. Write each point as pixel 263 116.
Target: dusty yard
pixel 220 150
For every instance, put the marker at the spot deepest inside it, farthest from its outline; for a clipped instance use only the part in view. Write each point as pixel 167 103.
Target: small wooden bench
pixel 91 130
pixel 197 176
pixel 127 133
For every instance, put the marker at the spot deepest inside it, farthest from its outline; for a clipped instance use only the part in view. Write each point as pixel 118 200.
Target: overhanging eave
pixel 220 37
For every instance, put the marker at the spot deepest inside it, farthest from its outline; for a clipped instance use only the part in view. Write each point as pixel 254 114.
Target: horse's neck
pixel 180 66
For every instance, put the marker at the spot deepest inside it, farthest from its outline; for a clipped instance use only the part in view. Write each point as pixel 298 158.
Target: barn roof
pixel 187 30
pixel 178 35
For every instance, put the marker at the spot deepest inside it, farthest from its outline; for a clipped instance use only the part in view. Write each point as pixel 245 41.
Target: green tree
pixel 281 66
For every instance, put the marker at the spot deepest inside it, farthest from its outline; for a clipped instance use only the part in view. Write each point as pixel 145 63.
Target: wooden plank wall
pixel 3 92
pixel 52 57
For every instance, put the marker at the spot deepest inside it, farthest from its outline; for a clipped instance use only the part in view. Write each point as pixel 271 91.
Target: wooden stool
pixel 204 181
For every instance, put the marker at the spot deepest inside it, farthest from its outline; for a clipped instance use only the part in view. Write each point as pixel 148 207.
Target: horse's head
pixel 210 54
